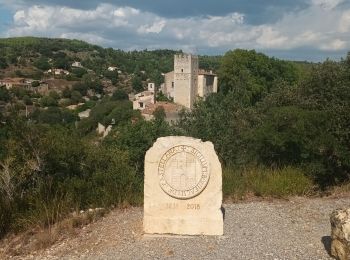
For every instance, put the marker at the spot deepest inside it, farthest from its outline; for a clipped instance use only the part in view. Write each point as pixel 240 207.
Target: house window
pixel 172 84
pixel 141 104
pixel 182 70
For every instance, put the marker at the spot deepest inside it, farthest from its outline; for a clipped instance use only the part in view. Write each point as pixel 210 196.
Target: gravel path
pixel 294 229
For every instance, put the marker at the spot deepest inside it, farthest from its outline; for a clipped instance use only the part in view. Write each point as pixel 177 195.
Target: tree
pixel 61 60
pixel 251 76
pixel 223 120
pixel 3 63
pixel 157 77
pixel 161 97
pixel 137 84
pixel 18 92
pixel 76 97
pixel 66 92
pixel 159 113
pixel 48 101
pixel 42 63
pixel 35 84
pixel 4 94
pixel 81 88
pixel 53 94
pixel 120 95
pixel 79 72
pixel 136 138
pixel 27 100
pixel 112 75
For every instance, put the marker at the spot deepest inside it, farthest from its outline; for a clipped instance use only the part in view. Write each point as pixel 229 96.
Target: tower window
pixel 182 70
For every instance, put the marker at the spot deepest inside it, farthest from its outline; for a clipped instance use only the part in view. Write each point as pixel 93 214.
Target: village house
pixel 84 114
pixel 43 88
pixel 57 72
pixel 141 100
pixel 77 64
pixel 111 68
pixel 15 82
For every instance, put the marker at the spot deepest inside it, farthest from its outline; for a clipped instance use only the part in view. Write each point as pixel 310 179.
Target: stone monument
pixel 183 188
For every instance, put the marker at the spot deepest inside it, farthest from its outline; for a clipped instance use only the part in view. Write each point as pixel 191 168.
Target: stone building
pixel 187 81
pixel 207 83
pixel 145 98
pixel 168 86
pixel 15 82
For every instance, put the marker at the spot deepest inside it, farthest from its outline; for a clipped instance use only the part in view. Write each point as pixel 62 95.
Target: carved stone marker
pixel 183 188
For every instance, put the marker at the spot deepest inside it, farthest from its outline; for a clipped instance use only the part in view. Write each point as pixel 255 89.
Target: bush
pixel 76 97
pixel 79 72
pixel 119 95
pixel 27 100
pixel 54 116
pixel 4 94
pixel 48 101
pixel 35 84
pixel 42 63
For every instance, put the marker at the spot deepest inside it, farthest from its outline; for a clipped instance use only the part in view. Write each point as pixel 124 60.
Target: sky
pixel 311 30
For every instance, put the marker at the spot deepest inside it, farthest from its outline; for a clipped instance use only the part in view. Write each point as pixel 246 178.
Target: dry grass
pixel 338 191
pixel 266 182
pixel 40 238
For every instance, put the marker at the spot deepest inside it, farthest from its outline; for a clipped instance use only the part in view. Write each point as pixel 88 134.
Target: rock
pixel 340 224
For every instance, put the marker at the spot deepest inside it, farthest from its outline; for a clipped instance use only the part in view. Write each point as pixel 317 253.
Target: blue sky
pixel 290 29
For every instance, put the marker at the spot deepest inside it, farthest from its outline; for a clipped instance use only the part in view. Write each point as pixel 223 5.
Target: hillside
pixel 31 56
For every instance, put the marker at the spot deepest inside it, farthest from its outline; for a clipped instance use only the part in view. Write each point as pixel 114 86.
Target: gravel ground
pixel 294 229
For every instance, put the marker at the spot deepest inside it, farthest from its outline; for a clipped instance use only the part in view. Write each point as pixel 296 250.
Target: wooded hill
pixel 40 54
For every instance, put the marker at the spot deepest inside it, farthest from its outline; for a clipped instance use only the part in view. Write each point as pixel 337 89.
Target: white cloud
pixel 126 11
pixel 156 27
pixel 326 28
pixel 271 38
pixel 88 37
pixel 344 22
pixel 334 45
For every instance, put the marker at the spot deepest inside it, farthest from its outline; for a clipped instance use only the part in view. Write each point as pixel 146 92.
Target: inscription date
pixel 193 206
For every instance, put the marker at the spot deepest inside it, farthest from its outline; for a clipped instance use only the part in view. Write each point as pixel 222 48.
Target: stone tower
pixel 185 79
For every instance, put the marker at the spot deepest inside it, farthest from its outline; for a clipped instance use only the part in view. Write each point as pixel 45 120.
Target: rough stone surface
pixel 183 188
pixel 340 223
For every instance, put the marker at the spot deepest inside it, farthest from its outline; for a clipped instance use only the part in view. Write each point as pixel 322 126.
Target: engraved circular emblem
pixel 183 172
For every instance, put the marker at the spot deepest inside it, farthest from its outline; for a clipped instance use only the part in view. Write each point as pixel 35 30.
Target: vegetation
pixel 278 118
pixel 266 182
pixel 46 171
